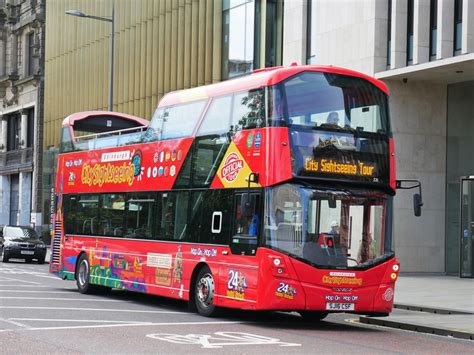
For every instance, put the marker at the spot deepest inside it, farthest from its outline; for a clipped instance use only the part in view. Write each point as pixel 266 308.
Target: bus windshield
pixel 328 101
pixel 329 228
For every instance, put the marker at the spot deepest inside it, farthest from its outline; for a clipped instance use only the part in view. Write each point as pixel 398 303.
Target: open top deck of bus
pixel 100 129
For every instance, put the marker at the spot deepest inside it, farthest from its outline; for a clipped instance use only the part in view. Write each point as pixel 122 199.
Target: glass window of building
pixel 238 37
pixel 273 33
pixel 251 35
pixel 433 27
pixel 30 128
pixel 13 132
pixel 410 20
pixel 457 26
pixel 311 35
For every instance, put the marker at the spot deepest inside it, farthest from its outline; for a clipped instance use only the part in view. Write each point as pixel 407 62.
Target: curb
pixel 416 308
pixel 417 328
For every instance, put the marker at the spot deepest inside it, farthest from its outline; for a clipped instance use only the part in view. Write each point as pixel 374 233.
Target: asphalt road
pixel 40 313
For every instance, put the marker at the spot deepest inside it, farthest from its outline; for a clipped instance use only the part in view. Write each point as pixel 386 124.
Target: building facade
pixel 424 51
pixel 160 46
pixel 21 111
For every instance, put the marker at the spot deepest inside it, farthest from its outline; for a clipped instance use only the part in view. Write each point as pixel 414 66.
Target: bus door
pixel 246 228
pixel 238 277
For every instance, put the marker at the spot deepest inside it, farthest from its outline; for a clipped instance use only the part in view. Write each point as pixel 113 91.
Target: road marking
pixel 123 325
pixel 95 310
pixel 44 286
pixel 26 282
pixel 220 339
pixel 76 320
pixel 21 325
pixel 37 292
pixel 62 299
pixel 32 272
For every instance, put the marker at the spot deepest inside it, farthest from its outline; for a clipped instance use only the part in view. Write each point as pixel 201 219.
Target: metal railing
pixel 109 139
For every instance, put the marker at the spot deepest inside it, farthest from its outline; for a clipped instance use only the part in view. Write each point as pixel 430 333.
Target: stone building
pixel 21 110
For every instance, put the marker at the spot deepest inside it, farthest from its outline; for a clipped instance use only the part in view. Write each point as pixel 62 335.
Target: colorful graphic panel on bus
pixel 151 166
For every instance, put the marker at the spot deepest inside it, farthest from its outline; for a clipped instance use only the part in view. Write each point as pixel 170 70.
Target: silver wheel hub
pixel 82 274
pixel 205 290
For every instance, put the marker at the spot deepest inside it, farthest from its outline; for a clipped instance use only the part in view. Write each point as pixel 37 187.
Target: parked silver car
pixel 21 243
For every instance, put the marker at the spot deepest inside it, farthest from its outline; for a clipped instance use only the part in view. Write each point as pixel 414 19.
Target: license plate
pixel 333 306
pixel 27 252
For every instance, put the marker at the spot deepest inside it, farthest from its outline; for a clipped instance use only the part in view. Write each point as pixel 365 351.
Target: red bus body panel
pixel 269 280
pixel 254 283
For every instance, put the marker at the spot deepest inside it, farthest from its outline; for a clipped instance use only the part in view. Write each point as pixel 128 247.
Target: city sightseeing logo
pixel 232 167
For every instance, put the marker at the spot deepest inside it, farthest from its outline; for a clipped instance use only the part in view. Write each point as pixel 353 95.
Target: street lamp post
pixel 110 19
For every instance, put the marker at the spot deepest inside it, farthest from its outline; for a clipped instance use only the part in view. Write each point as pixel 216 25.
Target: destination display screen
pixel 340 155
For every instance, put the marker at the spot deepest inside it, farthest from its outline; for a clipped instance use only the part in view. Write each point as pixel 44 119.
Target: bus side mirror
pixel 245 205
pixel 417 203
pixel 417 199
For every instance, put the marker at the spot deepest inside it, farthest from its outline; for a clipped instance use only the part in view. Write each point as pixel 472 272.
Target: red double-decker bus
pixel 272 191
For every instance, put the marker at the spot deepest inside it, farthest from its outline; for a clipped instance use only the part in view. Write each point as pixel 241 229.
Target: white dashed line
pixel 62 299
pixel 95 310
pixel 167 324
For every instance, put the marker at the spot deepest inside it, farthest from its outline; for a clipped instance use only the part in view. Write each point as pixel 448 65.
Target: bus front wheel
pixel 204 293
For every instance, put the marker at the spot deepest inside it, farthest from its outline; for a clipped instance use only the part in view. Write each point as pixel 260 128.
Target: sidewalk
pixel 441 305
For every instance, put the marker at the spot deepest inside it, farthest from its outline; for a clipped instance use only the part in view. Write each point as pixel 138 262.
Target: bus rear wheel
pixel 204 293
pixel 313 316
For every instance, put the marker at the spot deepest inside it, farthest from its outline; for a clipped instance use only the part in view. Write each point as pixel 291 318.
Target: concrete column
pixel 467 27
pixel 444 47
pixel 421 32
pixel 4 136
pixel 3 54
pixel 4 199
pixel 399 34
pixel 23 129
pixel 13 53
pixel 294 32
pixel 24 203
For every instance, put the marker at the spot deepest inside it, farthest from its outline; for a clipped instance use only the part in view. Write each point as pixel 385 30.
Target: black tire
pixel 4 255
pixel 41 260
pixel 83 276
pixel 313 316
pixel 204 290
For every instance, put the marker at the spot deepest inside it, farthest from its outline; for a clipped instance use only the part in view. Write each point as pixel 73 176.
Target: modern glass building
pixel 160 46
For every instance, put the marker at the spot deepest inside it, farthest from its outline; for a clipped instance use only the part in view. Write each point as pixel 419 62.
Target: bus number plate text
pixel 332 306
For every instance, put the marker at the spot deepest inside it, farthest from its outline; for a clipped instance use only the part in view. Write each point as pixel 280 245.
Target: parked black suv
pixel 21 243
